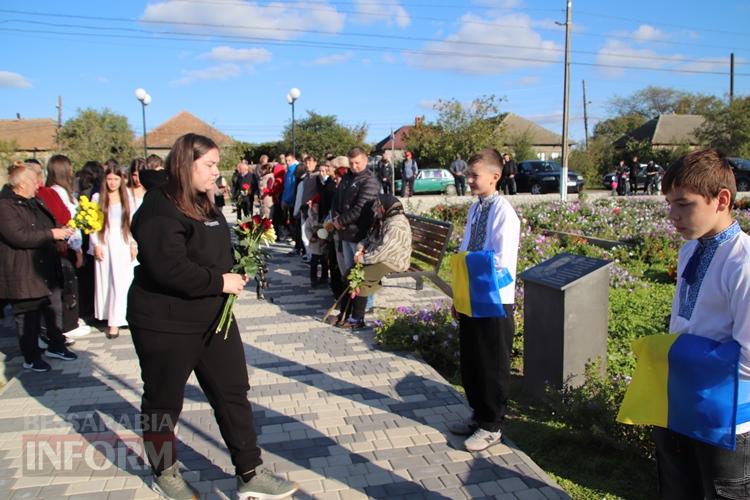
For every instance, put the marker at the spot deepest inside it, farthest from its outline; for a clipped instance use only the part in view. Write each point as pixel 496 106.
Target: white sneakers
pixel 82 330
pixel 482 439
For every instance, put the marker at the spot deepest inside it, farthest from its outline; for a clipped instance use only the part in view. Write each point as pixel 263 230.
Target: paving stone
pixel 531 494
pixel 334 413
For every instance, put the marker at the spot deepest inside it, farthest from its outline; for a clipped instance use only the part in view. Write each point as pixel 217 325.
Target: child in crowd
pixel 316 245
pixel 485 342
pixel 711 300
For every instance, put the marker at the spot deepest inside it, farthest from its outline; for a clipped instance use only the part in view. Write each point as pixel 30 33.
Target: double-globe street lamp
pixel 145 99
pixel 292 96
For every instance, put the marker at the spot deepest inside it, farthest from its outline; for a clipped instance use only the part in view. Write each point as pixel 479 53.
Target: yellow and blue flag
pixel 688 384
pixel 476 284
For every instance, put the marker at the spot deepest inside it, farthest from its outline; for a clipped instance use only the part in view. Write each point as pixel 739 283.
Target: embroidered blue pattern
pixel 695 270
pixel 478 233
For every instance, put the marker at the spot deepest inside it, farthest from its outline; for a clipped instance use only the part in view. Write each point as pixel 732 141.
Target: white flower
pixel 322 233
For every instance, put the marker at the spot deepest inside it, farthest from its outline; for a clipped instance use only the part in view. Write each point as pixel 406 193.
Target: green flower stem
pixel 225 321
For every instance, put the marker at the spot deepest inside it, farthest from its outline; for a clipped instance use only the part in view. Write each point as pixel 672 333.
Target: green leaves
pixel 97 135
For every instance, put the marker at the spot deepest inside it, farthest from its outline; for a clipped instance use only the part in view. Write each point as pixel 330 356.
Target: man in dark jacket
pixel 635 167
pixel 508 180
pixel 458 168
pixel 353 215
pixel 30 272
pixel 385 174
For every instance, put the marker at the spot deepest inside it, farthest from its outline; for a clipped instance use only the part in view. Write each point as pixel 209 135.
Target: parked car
pixel 741 168
pixel 432 180
pixel 640 179
pixel 539 176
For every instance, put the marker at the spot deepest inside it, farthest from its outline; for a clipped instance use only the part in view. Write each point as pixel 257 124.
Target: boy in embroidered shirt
pixel 485 343
pixel 712 300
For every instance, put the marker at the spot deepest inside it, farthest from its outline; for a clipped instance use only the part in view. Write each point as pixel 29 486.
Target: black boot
pixel 357 319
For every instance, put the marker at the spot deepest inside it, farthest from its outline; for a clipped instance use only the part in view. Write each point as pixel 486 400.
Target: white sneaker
pixel 81 331
pixel 482 439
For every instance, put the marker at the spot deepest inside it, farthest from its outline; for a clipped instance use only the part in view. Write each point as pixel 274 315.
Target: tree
pixel 523 147
pixel 616 127
pixel 232 155
pixel 728 129
pixel 651 102
pixel 459 129
pixel 97 135
pixel 320 134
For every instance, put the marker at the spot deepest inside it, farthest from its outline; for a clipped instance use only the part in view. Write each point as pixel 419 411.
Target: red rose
pixel 244 226
pixel 246 186
pixel 256 219
pixel 267 224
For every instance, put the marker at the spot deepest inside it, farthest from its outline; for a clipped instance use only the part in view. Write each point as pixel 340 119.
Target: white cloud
pixel 388 58
pixel 220 72
pixel 427 104
pixel 389 12
pixel 9 79
pixel 617 53
pixel 238 55
pixel 528 81
pixel 479 47
pixel 243 18
pixel 339 58
pixel 709 64
pixel 498 4
pixel 647 33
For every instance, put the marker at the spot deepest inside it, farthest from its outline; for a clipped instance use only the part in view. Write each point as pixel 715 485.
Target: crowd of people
pixel 162 265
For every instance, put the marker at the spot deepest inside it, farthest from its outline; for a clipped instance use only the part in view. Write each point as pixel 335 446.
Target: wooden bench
pixel 429 239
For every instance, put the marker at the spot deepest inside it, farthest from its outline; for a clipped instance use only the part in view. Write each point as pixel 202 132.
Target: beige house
pixel 160 140
pixel 667 132
pixel 546 144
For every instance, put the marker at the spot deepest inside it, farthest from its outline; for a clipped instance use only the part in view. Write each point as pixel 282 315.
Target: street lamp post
pixel 145 99
pixel 291 97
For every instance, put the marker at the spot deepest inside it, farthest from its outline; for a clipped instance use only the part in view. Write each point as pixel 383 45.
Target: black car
pixel 640 178
pixel 741 168
pixel 539 176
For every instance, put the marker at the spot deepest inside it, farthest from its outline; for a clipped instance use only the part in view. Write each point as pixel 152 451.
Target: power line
pixel 388 37
pixel 201 37
pixel 277 6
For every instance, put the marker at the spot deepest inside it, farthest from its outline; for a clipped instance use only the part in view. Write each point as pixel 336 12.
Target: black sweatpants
pixel 485 346
pixel 167 360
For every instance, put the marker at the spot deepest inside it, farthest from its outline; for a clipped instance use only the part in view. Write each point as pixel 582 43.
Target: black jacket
pixel 178 285
pixel 29 262
pixel 353 204
pixel 327 192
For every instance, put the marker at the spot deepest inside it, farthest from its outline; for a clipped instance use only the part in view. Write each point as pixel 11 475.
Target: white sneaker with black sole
pixel 482 439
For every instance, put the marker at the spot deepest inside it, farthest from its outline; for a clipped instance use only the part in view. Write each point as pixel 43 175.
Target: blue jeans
pixel 349 249
pixel 689 469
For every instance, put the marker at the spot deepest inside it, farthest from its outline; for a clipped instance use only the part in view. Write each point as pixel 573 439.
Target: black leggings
pixel 167 360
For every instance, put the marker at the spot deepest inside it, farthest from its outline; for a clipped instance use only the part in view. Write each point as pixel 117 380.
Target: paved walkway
pixel 344 419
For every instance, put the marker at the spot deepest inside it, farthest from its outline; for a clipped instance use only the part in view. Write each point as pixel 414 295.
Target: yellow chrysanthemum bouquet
pixel 89 218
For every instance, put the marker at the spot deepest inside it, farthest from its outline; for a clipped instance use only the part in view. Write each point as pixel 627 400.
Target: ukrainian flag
pixel 476 284
pixel 688 384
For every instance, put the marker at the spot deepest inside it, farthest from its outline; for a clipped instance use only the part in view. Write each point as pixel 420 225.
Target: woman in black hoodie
pixel 174 304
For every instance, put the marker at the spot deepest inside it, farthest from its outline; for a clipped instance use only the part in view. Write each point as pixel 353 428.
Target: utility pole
pixel 59 122
pixel 566 93
pixel 585 116
pixel 731 77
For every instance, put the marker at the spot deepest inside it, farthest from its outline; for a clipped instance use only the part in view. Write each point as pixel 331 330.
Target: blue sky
pixel 232 62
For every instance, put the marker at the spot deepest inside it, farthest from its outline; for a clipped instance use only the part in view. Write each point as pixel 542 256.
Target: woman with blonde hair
pixel 114 250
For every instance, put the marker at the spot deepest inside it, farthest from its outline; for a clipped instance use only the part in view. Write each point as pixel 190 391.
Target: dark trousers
pixel 633 185
pixel 69 302
pixel 688 469
pixel 278 218
pixel 28 316
pixel 316 260
pixel 86 280
pixel 508 185
pixel 460 185
pixel 387 186
pixel 167 360
pixel 485 345
pixel 407 186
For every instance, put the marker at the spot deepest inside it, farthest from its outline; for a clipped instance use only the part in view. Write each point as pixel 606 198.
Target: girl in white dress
pixel 114 250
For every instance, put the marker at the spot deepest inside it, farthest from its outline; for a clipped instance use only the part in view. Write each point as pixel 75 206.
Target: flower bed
pixel 642 285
